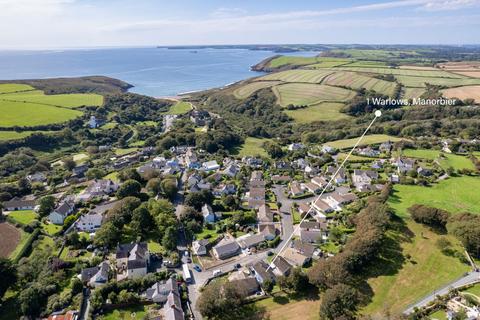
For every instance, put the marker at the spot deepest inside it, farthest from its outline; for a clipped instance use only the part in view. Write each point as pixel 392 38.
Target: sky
pixel 26 24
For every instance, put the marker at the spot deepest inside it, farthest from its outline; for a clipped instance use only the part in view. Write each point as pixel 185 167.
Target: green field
pixel 308 93
pixel 357 81
pixel 14 135
pixel 73 100
pixel 411 93
pixel 23 216
pixel 282 307
pixel 324 111
pixel 246 90
pixel 397 282
pixel 419 82
pixel 180 107
pixel 375 54
pixel 367 64
pixel 24 237
pixel 447 160
pixel 124 151
pixel 458 194
pixel 291 60
pixel 31 114
pixel 327 62
pixel 14 87
pixel 51 228
pixel 405 72
pixel 252 147
pixel 369 139
pixel 308 76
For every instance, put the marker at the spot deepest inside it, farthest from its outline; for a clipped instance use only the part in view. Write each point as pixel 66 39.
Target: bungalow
pixel 337 200
pixel 256 197
pixel 62 315
pixel 368 152
pixel 251 240
pixel 98 188
pixel 247 285
pixel 295 146
pixel 256 176
pixel 191 160
pixel 225 249
pixel 231 170
pixel 252 162
pixel 312 231
pixel 262 272
pixel 79 171
pixel 312 187
pixel 200 247
pixel 268 230
pixel 90 222
pixel 424 171
pixel 320 181
pixel 19 204
pixel 132 259
pixel 210 165
pixel 295 189
pixel 299 253
pixel 340 177
pixel 208 214
pixel 322 206
pixel 386 147
pixel 264 214
pixel 96 276
pixel 328 149
pixel 282 165
pixel 281 267
pixel 63 210
pixel 224 189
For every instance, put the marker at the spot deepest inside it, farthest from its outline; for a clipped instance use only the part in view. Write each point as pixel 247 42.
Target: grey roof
pixel 226 248
pixel 88 273
pixel 136 264
pixel 137 249
pixel 265 214
pixel 252 240
pixel 17 202
pixel 63 208
pixel 304 248
pixel 174 313
pixel 260 268
pixel 282 265
pixel 248 285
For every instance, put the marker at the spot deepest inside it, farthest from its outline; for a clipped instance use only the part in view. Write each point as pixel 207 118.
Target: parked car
pixel 237 266
pixel 197 268
pixel 217 272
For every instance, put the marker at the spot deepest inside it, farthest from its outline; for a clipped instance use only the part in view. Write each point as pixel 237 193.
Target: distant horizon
pixel 52 24
pixel 166 46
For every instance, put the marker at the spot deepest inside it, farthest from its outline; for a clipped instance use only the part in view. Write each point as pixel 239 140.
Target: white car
pixel 217 272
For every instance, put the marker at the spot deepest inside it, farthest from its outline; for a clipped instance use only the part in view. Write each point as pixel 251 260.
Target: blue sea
pixel 152 71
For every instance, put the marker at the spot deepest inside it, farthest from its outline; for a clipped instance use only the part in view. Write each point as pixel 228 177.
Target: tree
pixel 129 174
pixel 129 188
pixel 466 227
pixel 95 173
pixel 69 164
pixel 154 186
pixel 220 301
pixel 24 185
pixel 169 188
pixel 142 221
pixel 267 286
pixel 274 149
pixel 198 199
pixel 46 205
pixel 430 216
pixel 107 236
pixel 339 303
pixel 169 239
pixel 8 275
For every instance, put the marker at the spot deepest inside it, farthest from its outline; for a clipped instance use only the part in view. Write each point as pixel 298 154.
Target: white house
pixel 90 222
pixel 210 165
pixel 132 259
pixel 63 210
pixel 208 214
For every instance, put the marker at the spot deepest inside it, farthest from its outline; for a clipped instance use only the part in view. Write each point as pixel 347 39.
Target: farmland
pixel 324 111
pixel 308 76
pixel 458 194
pixel 445 160
pixel 13 135
pixel 307 93
pixel 369 139
pixel 9 239
pixel 358 81
pixel 72 100
pixel 14 87
pixel 414 81
pixel 406 72
pixel 472 92
pixel 32 114
pixel 291 60
pixel 248 89
pixel 411 93
pixel 284 308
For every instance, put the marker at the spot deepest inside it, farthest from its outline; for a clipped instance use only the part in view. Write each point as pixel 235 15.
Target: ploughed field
pixel 9 239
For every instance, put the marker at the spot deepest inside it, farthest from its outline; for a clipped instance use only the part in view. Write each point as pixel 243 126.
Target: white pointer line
pixel 378 113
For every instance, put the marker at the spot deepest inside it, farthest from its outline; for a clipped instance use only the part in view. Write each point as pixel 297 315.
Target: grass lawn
pixel 32 114
pixel 457 194
pixel 109 125
pixel 246 90
pixel 180 107
pixel 438 315
pixel 155 247
pixel 51 228
pixel 296 217
pixel 213 233
pixel 281 307
pixel 252 147
pixel 369 139
pixel 132 313
pixel 474 290
pixel 45 241
pixel 23 216
pixel 397 282
pixel 14 87
pixel 121 152
pixel 72 100
pixel 325 111
pixel 448 160
pixel 112 176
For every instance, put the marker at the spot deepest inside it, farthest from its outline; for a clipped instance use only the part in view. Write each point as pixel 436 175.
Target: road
pixel 85 307
pixel 470 278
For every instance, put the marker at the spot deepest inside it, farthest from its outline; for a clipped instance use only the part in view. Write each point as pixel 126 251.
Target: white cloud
pixel 25 7
pixel 228 12
pixel 447 5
